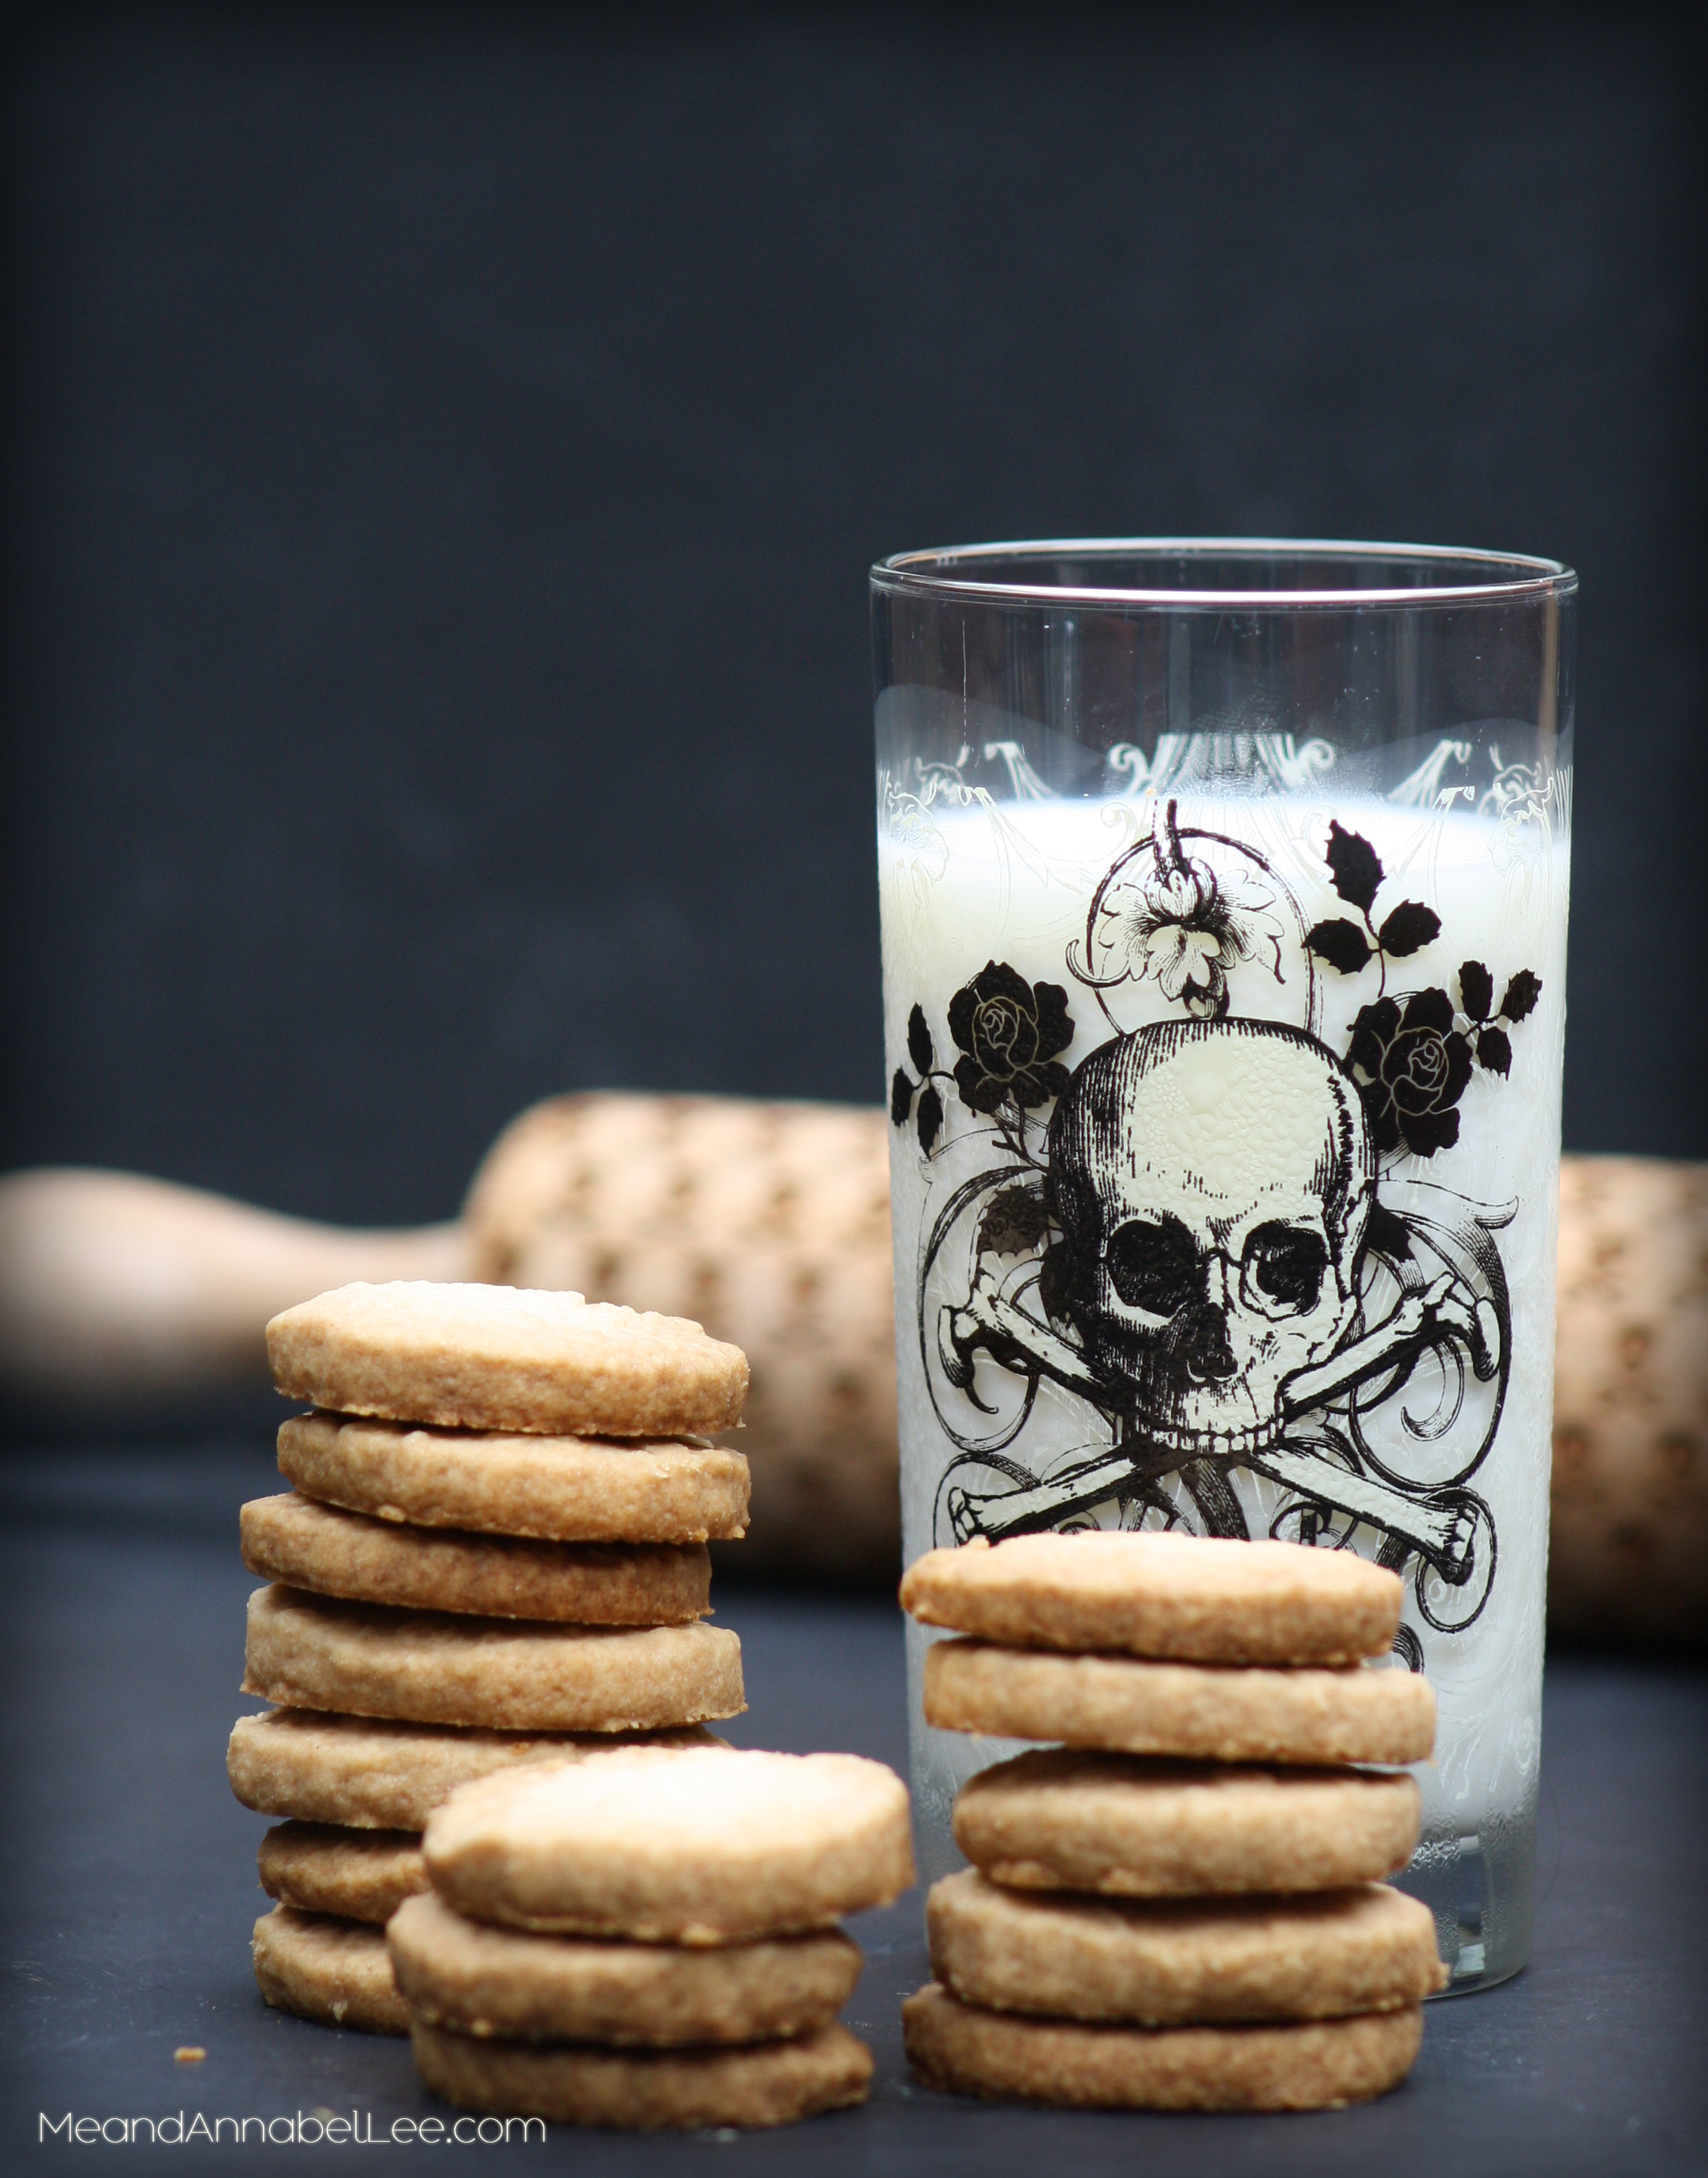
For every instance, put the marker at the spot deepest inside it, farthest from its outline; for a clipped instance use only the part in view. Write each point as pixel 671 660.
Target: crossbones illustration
pixel 1212 1184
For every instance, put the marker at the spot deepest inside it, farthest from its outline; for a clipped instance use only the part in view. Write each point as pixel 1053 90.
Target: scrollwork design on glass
pixel 1212 1235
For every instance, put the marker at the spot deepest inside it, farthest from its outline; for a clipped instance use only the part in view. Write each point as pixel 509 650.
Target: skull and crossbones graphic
pixel 1210 1188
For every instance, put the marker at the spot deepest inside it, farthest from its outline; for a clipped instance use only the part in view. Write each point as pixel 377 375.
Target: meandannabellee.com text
pixel 305 2129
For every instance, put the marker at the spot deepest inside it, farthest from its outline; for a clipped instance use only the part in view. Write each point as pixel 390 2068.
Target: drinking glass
pixel 1223 890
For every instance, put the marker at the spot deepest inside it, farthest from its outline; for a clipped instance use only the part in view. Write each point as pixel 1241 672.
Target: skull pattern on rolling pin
pixel 770 1224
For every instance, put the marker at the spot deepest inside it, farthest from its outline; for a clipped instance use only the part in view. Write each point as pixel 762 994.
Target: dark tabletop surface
pixel 130 1891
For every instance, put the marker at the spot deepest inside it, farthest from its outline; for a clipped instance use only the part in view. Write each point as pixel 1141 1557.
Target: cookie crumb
pixel 189 2053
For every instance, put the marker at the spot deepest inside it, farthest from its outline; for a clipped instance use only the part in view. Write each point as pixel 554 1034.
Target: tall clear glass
pixel 1224 889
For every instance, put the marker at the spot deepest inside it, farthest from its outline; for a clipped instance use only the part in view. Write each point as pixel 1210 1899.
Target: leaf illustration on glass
pixel 1013 1222
pixel 1409 928
pixel 1341 944
pixel 1355 866
pixel 919 1048
pixel 1521 995
pixel 1494 1050
pixel 929 1119
pixel 1476 990
pixel 901 1098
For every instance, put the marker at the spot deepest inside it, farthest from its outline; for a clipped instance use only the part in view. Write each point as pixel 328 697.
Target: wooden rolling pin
pixel 1628 1551
pixel 768 1223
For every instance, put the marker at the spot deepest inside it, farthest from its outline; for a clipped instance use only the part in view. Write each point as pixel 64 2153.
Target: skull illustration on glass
pixel 1224 1078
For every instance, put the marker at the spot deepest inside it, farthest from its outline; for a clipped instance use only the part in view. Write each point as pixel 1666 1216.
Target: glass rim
pixel 1513 577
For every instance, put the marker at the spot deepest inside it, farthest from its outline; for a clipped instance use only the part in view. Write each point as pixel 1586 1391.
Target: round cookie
pixel 558 1489
pixel 1191 1598
pixel 484 1981
pixel 503 1357
pixel 1210 1712
pixel 701 1847
pixel 1140 1827
pixel 1182 1961
pixel 509 1675
pixel 338 1973
pixel 1318 2064
pixel 646 2091
pixel 331 1551
pixel 375 1773
pixel 322 1867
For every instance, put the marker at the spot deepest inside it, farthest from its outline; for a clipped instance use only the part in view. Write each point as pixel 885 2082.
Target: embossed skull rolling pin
pixel 120 1289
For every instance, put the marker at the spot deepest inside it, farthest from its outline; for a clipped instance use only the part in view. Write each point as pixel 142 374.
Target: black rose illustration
pixel 1009 1032
pixel 1415 1064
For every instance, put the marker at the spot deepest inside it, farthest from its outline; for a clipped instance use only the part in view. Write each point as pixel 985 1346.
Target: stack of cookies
pixel 1180 1908
pixel 650 1941
pixel 495 1556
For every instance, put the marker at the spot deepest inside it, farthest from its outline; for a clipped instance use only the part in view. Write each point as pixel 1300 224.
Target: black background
pixel 445 446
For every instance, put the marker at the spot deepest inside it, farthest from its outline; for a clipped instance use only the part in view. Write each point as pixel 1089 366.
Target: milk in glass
pixel 1225 1145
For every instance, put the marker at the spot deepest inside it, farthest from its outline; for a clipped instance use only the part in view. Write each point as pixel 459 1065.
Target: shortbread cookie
pixel 508 1675
pixel 333 1552
pixel 1318 2064
pixel 1212 1712
pixel 702 1847
pixel 338 1973
pixel 477 1980
pixel 1182 1961
pixel 560 1489
pixel 323 1867
pixel 373 1773
pixel 646 2091
pixel 1194 1599
pixel 1139 1827
pixel 503 1357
